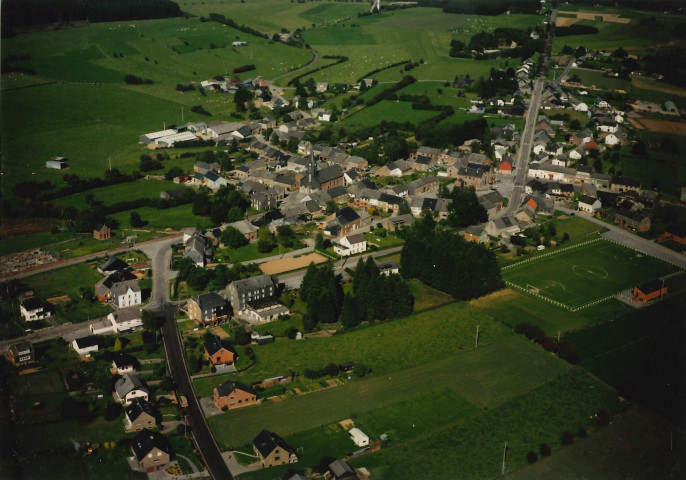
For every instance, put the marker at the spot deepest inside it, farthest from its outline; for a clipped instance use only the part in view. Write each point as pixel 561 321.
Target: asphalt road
pixel 633 241
pixel 525 145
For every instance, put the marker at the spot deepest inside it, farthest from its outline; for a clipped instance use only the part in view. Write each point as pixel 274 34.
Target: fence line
pixel 555 252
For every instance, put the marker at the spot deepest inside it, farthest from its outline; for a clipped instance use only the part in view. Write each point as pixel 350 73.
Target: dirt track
pixel 292 263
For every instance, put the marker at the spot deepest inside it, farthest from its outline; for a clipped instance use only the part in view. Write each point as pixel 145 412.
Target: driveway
pixel 236 468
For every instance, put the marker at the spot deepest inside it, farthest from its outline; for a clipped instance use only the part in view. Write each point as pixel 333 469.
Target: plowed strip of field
pixel 602 17
pixel 660 126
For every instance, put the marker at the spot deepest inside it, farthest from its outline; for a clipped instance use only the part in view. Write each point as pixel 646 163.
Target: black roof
pixel 214 344
pixel 112 264
pixel 122 359
pixel 337 191
pixel 210 300
pixel 137 408
pixel 89 341
pixel 587 200
pixel 32 303
pixel 267 441
pixel 631 182
pixel 146 440
pixel 651 286
pixel 228 386
pixel 347 215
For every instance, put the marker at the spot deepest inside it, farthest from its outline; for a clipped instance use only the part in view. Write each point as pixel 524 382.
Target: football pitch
pixel 585 274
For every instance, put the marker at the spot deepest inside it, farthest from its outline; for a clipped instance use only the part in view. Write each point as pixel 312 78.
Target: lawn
pixel 176 218
pixel 67 281
pixel 598 79
pixel 121 192
pixel 484 377
pixel 388 109
pixel 614 35
pixel 472 448
pixel 426 297
pixel 77 467
pixel 586 273
pixel 249 252
pixel 389 241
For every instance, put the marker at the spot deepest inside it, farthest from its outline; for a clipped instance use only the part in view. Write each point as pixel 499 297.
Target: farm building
pixel 58 163
pixel 149 138
pixel 649 291
pixel 170 140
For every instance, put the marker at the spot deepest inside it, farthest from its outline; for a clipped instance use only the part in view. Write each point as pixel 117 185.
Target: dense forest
pixel 447 262
pixel 23 13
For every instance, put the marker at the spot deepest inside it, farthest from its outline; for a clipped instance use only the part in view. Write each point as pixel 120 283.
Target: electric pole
pixel 504 453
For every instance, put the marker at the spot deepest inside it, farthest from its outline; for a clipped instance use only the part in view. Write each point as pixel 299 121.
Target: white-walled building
pixel 351 245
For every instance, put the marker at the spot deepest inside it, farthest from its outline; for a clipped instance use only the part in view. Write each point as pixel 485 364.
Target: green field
pixel 480 376
pixel 598 79
pixel 472 448
pixel 587 273
pixel 614 35
pixel 34 240
pixel 387 110
pixel 121 192
pixel 175 218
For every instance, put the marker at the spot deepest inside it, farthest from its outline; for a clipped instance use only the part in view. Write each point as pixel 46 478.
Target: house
pixel 197 250
pixel 346 221
pixel 248 230
pixel 625 184
pixel 475 234
pixel 503 227
pixel 33 309
pixel 121 289
pixel 505 167
pixel 399 221
pixel 389 267
pixel 208 308
pixel 21 353
pixel 492 202
pixel 85 345
pixel 472 176
pixel 649 291
pixel 123 363
pixel 219 352
pixel 214 181
pixel 351 245
pixel 102 232
pixel 242 292
pixel 139 415
pixel 151 450
pixel 129 387
pixel 272 450
pixel 126 319
pixel 58 163
pixel 230 395
pixel 633 220
pixel 589 204
pixel 358 437
pixel 341 470
pixel 112 265
pixel 396 168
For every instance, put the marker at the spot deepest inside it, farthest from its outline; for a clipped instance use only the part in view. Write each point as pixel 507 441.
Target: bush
pixel 567 437
pixel 531 457
pixel 581 433
pixel 243 68
pixel 544 449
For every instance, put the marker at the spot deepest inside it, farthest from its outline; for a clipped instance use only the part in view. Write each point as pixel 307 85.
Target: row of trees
pixel 483 7
pixel 322 292
pixel 226 205
pixel 447 262
pixel 215 278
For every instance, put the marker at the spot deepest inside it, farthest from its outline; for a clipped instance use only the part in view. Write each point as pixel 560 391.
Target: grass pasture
pixel 388 109
pixel 481 377
pixel 175 218
pixel 586 273
pixel 118 193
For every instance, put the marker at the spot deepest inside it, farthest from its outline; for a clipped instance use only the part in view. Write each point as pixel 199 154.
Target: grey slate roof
pixel 127 383
pixel 228 386
pixel 146 441
pixel 137 408
pixel 214 344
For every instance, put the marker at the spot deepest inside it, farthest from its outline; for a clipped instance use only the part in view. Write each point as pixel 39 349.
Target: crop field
pixel 481 377
pixel 586 273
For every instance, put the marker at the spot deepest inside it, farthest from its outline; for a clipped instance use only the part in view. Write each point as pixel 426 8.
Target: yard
pixel 120 192
pixel 585 273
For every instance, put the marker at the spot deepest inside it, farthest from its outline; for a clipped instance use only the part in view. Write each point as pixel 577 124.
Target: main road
pixel 525 146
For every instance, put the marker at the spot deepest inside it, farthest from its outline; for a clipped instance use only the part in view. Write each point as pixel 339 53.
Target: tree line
pixel 447 262
pixel 483 7
pixel 21 13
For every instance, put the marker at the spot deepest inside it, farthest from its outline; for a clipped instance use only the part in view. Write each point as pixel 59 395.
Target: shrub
pixel 581 433
pixel 531 457
pixel 544 449
pixel 567 437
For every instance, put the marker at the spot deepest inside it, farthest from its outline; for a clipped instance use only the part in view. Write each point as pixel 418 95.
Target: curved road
pixel 314 60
